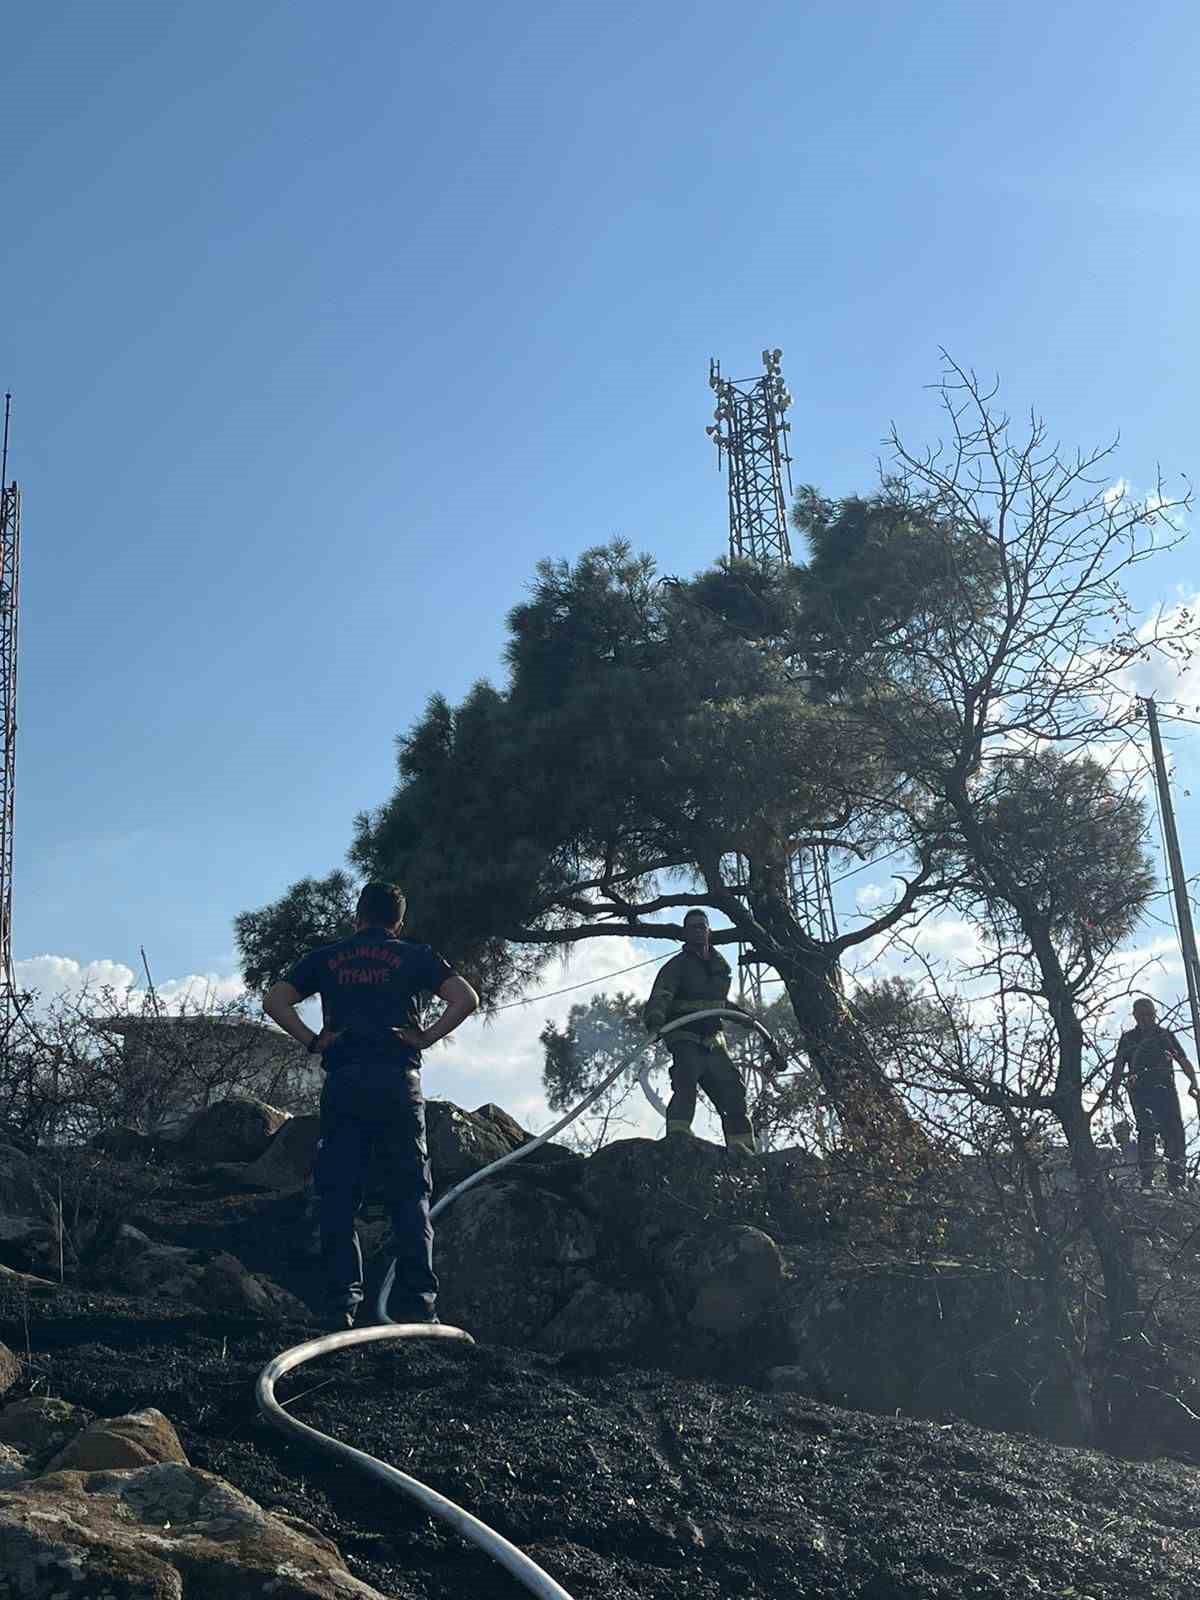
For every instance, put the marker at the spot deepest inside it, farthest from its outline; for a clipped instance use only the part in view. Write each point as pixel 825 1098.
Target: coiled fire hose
pixel 527 1572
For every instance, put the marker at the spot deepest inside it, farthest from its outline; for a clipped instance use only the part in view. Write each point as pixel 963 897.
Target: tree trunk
pixel 1117 1378
pixel 871 1113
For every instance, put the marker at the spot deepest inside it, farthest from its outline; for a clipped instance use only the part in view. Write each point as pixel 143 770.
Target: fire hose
pixel 526 1571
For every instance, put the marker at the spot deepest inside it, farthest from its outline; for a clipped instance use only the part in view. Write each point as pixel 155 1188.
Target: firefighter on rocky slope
pixel 372 986
pixel 1147 1056
pixel 697 979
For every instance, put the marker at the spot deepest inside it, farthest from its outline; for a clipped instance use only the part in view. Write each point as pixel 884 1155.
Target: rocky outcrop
pixel 287 1162
pixel 28 1282
pixel 461 1142
pixel 31 1245
pixel 238 1129
pixel 649 1190
pixel 200 1277
pixel 937 1338
pixel 124 1144
pixel 724 1281
pixel 10 1369
pixel 670 1251
pixel 158 1533
pixel 598 1317
pixel 22 1191
pixel 113 1508
pixel 36 1429
pixel 509 1259
pixel 113 1443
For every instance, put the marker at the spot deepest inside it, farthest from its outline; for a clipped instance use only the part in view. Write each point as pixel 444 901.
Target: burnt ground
pixel 622 1482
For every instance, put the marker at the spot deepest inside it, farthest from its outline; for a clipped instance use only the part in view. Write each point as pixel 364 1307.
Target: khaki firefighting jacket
pixel 689 982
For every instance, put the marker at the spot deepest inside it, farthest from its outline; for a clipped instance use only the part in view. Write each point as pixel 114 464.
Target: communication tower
pixel 750 431
pixel 10 590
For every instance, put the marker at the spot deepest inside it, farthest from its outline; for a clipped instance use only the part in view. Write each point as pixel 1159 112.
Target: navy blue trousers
pixel 1156 1112
pixel 375 1115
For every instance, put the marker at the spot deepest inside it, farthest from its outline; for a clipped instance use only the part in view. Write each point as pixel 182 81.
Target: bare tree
pixel 1007 710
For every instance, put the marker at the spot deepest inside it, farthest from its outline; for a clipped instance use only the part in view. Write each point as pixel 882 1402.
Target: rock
pixel 726 1281
pixel 40 1427
pixel 22 1193
pixel 287 1162
pixel 25 1281
pixel 14 1465
pixel 138 1439
pixel 651 1189
pixel 597 1317
pixel 124 1144
pixel 226 1283
pixel 462 1142
pixel 306 1528
pixel 141 1266
pixel 510 1258
pixel 202 1278
pixel 30 1245
pixel 507 1127
pixel 158 1533
pixel 10 1369
pixel 238 1129
pixel 933 1339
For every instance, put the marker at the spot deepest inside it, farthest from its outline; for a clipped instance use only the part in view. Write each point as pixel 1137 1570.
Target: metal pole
pixel 1183 906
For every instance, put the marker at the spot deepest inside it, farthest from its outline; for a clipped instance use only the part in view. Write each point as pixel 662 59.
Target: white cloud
pixel 1161 674
pixel 871 895
pixel 1121 498
pixel 50 977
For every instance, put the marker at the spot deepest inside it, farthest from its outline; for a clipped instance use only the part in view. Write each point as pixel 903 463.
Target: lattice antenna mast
pixel 750 432
pixel 10 591
pixel 749 428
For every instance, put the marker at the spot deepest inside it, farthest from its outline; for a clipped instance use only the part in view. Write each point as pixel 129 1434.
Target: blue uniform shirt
pixel 369 984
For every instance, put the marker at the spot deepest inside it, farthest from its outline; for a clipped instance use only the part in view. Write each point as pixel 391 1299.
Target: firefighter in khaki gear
pixel 697 979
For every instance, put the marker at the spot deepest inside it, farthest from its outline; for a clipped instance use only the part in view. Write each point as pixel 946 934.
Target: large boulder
pixel 39 1427
pixel 211 1279
pixel 109 1444
pixel 287 1162
pixel 158 1533
pixel 649 1190
pixel 237 1129
pixel 29 1244
pixel 598 1317
pixel 22 1191
pixel 724 1281
pixel 507 1126
pixel 462 1142
pixel 510 1258
pixel 936 1339
pixel 226 1283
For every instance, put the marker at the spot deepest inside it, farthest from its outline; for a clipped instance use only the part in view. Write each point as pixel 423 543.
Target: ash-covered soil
pixel 624 1482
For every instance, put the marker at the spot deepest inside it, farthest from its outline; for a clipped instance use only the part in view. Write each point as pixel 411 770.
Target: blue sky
pixel 325 323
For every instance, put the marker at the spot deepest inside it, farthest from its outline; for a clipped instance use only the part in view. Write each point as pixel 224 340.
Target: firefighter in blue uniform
pixel 372 986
